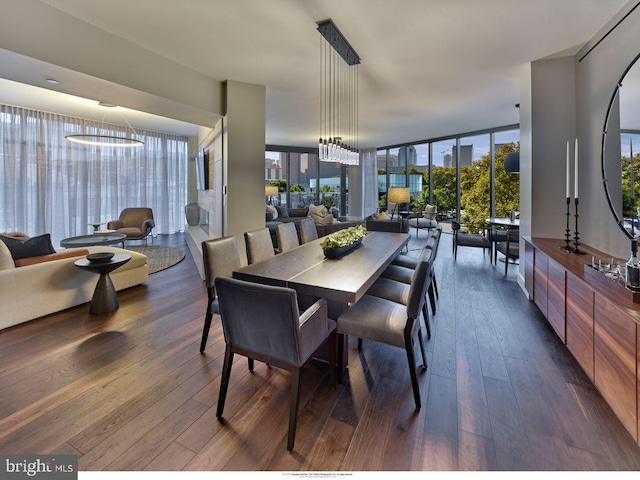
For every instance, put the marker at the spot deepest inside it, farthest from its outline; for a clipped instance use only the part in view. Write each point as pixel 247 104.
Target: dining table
pixel 340 281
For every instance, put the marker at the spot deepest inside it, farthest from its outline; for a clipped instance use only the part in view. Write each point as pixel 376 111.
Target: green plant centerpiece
pixel 343 241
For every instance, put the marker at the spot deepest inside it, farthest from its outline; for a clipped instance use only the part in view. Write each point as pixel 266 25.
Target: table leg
pixel 105 298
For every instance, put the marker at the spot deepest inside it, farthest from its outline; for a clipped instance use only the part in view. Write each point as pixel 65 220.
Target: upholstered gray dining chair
pixel 385 321
pixel 308 230
pixel 287 236
pixel 403 273
pixel 262 322
pixel 259 245
pixel 220 258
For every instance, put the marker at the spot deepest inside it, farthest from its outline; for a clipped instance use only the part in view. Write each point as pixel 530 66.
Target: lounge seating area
pixel 38 285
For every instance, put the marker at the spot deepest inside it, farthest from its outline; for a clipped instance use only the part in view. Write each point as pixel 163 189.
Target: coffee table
pixel 105 298
pixel 95 239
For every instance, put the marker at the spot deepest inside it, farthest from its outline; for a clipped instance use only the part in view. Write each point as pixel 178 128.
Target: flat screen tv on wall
pixel 202 170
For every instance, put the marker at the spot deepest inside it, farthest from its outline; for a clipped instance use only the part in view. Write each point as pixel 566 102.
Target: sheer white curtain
pixel 369 162
pixel 50 185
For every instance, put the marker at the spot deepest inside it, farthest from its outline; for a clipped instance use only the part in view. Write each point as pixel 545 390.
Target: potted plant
pixel 343 241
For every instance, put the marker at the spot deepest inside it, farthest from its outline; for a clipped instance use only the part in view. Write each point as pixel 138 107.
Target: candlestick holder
pixel 632 202
pixel 576 237
pixel 567 234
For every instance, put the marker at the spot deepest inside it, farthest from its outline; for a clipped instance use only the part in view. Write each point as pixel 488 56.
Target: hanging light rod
pixel 339 63
pixel 340 44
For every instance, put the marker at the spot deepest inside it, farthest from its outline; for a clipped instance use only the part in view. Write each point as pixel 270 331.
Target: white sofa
pixel 32 291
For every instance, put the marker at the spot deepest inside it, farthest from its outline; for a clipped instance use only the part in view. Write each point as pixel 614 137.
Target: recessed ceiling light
pixel 52 80
pixel 107 105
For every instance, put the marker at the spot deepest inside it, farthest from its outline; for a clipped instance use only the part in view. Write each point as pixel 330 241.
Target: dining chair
pixel 404 273
pixel 464 239
pixel 287 236
pixel 308 230
pixel 220 257
pixel 510 249
pixel 395 281
pixel 496 236
pixel 259 245
pixel 381 320
pixel 263 322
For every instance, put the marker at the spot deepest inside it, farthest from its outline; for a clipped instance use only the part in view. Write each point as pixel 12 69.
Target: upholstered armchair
pixel 136 223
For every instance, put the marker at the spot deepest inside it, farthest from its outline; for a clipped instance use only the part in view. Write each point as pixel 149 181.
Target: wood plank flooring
pixel 130 391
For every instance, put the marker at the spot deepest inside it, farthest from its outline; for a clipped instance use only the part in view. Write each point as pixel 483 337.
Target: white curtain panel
pixel 51 185
pixel 369 162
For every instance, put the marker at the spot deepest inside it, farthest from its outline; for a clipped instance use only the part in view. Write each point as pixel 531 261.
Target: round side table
pixel 105 298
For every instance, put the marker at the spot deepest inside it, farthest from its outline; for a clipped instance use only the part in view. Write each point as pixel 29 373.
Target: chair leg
pixel 424 356
pixel 205 329
pixel 435 286
pixel 427 322
pixel 250 364
pixel 506 264
pixel 293 411
pixel 412 371
pixel 359 344
pixel 432 298
pixel 224 381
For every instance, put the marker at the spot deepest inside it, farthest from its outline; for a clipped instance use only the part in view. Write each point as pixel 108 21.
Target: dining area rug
pixel 159 258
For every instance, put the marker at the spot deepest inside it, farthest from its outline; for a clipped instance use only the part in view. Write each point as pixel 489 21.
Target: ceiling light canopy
pixel 338 97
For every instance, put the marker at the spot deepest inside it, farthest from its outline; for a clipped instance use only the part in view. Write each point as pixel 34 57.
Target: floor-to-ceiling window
pixel 475 182
pixel 463 176
pixel 50 185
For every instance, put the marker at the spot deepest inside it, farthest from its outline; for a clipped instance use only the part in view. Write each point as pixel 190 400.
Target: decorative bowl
pixel 101 257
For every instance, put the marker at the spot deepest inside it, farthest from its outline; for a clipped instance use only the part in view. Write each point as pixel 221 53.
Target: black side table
pixel 105 298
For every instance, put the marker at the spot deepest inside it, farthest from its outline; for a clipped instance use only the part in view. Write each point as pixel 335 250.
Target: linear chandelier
pixel 99 140
pixel 338 97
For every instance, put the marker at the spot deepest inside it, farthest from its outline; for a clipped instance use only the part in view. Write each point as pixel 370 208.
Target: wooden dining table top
pixel 344 279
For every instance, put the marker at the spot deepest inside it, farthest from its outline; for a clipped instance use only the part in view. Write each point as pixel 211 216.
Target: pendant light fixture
pixel 96 139
pixel 338 97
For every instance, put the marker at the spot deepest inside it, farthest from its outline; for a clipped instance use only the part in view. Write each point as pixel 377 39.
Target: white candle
pixel 575 194
pixel 568 192
pixel 633 195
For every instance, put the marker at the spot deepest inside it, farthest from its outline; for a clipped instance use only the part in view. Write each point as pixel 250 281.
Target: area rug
pixel 160 258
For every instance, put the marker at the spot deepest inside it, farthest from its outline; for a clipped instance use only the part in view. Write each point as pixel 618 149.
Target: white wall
pixel 569 98
pixel 596 77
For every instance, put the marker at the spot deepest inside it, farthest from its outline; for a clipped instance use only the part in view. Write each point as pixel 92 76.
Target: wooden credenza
pixel 597 324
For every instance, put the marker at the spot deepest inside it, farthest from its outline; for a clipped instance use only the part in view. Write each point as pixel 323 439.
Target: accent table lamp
pixel 270 191
pixel 398 195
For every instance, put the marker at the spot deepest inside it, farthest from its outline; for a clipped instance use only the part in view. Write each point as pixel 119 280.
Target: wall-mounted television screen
pixel 202 170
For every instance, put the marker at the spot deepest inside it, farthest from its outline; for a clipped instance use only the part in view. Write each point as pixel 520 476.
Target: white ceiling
pixel 429 68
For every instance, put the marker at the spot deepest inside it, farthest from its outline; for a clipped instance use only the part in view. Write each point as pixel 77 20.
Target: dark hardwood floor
pixel 130 391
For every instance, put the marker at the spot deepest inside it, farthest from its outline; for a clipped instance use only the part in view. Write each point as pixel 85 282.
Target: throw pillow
pixel 326 220
pixel 383 216
pixel 429 212
pixel 319 210
pixel 33 247
pixel 283 212
pixel 70 253
pixel 272 210
pixel 6 260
